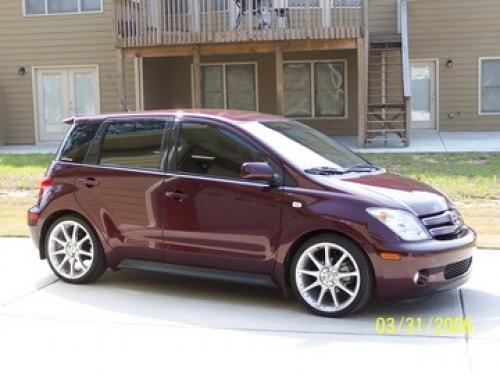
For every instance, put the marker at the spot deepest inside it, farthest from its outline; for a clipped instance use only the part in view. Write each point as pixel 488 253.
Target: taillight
pixel 44 184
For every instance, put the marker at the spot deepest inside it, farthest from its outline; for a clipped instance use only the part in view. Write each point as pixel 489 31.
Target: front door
pixel 423 94
pixel 212 217
pixel 61 93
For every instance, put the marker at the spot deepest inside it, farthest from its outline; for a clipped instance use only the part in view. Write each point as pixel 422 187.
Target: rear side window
pixel 134 144
pixel 78 142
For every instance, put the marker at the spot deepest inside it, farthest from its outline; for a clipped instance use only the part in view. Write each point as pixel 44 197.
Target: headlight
pixel 403 223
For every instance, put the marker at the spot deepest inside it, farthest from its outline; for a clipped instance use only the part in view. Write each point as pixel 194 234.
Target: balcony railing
pixel 141 23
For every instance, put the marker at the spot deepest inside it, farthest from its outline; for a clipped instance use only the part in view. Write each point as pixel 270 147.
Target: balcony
pixel 150 23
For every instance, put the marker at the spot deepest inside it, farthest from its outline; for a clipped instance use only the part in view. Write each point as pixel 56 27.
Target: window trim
pixel 313 96
pixel 47 14
pixel 164 147
pixel 480 86
pixel 171 165
pixel 224 86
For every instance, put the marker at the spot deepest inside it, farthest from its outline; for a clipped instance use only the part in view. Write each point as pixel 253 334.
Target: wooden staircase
pixel 387 120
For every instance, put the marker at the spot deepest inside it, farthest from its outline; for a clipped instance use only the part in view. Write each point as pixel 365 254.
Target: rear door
pixel 121 189
pixel 212 217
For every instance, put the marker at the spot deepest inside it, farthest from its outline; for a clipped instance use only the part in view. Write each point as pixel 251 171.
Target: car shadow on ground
pixel 181 301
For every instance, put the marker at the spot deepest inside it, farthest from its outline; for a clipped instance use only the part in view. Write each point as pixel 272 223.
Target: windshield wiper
pixel 325 171
pixel 362 168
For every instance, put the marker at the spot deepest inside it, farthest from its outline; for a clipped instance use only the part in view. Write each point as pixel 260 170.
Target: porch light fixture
pixel 21 71
pixel 449 63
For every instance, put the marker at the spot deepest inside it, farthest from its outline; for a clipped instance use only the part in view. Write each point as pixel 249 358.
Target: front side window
pixel 133 144
pixel 315 89
pixel 490 86
pixel 40 7
pixel 205 149
pixel 78 142
pixel 229 86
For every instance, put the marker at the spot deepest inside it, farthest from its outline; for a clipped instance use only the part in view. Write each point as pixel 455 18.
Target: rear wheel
pixel 73 250
pixel 331 276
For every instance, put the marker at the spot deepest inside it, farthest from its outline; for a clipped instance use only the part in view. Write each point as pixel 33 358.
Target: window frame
pixel 480 86
pixel 312 89
pixel 224 80
pixel 95 151
pixel 47 14
pixel 171 165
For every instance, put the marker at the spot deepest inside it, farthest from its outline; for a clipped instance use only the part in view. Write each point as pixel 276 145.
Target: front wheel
pixel 331 276
pixel 73 250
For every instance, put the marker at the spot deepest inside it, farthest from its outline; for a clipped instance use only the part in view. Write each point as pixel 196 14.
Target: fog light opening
pixel 421 277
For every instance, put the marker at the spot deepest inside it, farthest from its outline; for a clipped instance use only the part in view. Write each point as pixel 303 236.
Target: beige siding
pixel 167 84
pixel 462 31
pixel 383 16
pixel 48 41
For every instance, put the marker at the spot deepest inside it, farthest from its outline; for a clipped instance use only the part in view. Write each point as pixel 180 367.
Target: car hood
pixel 392 191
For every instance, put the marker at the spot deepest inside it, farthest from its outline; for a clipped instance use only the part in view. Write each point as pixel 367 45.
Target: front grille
pixel 444 225
pixel 457 269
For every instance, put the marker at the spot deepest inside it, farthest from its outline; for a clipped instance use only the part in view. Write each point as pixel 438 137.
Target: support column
pixel 280 98
pixel 362 91
pixel 120 64
pixel 196 77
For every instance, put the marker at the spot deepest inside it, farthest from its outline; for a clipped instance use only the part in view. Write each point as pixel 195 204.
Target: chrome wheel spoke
pixel 315 261
pixel 343 275
pixel 82 241
pixel 344 288
pixel 328 262
pixel 65 233
pixel 340 261
pixel 310 273
pixel 334 297
pixel 312 286
pixel 61 265
pixel 57 240
pixel 321 295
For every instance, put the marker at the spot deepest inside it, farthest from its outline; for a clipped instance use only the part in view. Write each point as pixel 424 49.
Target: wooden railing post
pixel 280 97
pixel 405 60
pixel 197 77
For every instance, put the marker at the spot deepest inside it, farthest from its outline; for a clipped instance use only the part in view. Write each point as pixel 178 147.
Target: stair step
pixel 384 131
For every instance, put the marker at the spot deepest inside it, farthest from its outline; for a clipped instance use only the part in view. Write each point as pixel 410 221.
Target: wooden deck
pixel 150 23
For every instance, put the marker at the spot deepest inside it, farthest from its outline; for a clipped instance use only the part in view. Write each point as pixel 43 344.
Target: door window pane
pixel 85 91
pixel 35 6
pixel 421 93
pixel 91 5
pixel 53 102
pixel 208 150
pixel 297 82
pixel 62 6
pixel 212 86
pixel 490 86
pixel 133 144
pixel 240 82
pixel 329 89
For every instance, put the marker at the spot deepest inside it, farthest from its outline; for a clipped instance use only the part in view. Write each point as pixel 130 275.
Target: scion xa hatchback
pixel 247 197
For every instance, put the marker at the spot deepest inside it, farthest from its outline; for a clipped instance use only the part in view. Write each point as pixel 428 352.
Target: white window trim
pixel 313 97
pixel 480 87
pixel 224 86
pixel 47 14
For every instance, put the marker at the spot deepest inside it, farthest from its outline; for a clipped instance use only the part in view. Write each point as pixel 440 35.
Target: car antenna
pixel 122 98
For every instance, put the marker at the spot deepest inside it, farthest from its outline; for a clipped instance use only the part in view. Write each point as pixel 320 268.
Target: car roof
pixel 214 114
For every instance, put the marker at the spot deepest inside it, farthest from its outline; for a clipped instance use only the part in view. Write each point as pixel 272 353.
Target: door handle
pixel 177 195
pixel 89 182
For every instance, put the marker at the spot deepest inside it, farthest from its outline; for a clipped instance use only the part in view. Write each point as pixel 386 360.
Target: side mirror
pixel 257 171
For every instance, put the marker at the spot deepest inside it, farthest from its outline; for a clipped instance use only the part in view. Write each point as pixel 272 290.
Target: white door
pixel 423 94
pixel 61 93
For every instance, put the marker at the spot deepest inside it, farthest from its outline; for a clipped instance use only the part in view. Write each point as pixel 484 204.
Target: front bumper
pixel 421 269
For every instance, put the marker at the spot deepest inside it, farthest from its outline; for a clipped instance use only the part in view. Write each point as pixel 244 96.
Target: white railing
pixel 142 23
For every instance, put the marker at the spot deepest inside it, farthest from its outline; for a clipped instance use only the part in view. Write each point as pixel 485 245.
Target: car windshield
pixel 307 148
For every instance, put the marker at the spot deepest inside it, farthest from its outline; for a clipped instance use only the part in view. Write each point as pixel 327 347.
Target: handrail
pixel 405 56
pixel 141 23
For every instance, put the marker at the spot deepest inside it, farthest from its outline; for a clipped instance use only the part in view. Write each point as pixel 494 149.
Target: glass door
pixel 423 94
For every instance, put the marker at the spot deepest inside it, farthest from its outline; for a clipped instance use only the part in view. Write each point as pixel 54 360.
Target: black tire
pixel 366 278
pixel 98 263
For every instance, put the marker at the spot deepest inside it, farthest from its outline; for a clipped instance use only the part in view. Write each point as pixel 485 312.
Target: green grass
pixel 472 180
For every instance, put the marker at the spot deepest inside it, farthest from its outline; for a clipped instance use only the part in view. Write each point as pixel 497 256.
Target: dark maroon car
pixel 244 197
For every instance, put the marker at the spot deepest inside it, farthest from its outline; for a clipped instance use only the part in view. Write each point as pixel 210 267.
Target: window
pixel 78 142
pixel 205 149
pixel 134 144
pixel 229 86
pixel 41 7
pixel 315 89
pixel 489 96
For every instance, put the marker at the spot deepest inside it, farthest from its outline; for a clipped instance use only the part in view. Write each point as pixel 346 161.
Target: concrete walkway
pixel 133 322
pixel 434 141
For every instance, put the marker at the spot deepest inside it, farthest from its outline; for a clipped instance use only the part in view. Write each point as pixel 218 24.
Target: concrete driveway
pixel 133 322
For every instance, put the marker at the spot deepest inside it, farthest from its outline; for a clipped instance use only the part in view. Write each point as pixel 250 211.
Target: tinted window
pixel 78 142
pixel 135 144
pixel 209 150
